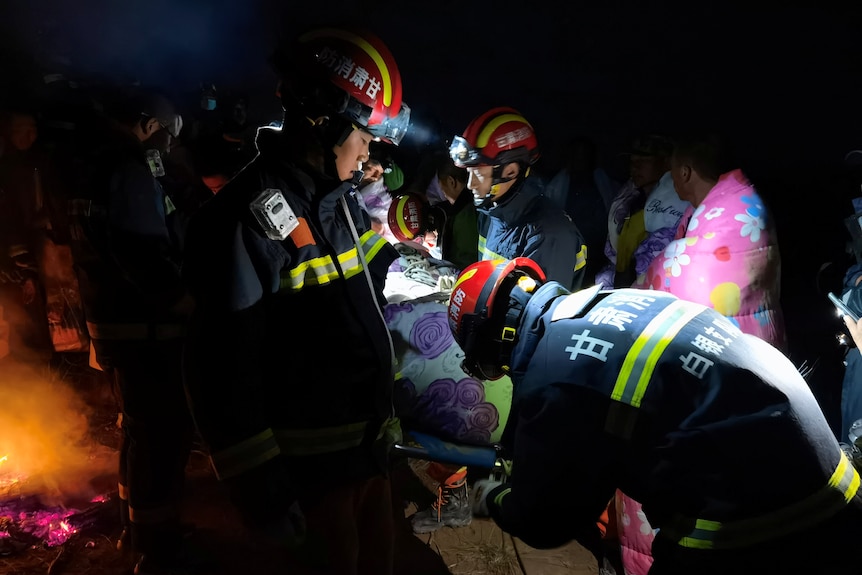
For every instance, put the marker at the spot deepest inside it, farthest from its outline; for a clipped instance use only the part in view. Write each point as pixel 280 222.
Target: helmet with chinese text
pixel 496 138
pixel 484 309
pixel 406 217
pixel 348 74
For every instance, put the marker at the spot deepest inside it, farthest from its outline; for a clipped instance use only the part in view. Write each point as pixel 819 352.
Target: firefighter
pixel 136 307
pixel 289 364
pixel 713 430
pixel 515 219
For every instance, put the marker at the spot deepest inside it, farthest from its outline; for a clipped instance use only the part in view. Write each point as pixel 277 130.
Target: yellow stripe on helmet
pixel 372 52
pixel 485 134
pixel 402 225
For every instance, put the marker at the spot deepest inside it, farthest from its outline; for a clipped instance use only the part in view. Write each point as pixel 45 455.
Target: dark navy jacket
pixel 289 369
pixel 527 224
pixel 667 401
pixel 126 257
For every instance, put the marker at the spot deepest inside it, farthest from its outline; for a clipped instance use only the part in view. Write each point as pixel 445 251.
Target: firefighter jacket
pixel 125 256
pixel 289 367
pixel 669 402
pixel 524 223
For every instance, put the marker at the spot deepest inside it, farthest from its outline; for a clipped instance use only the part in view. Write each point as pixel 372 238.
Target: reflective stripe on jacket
pixel 527 224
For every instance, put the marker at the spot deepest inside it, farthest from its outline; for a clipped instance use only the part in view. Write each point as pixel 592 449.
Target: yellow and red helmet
pixel 351 74
pixel 497 137
pixel 407 217
pixel 478 310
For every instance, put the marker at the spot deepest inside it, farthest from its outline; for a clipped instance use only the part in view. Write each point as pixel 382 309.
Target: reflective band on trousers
pixel 322 270
pixel 153 516
pixel 135 331
pixel 264 446
pixel 299 442
pixel 245 455
pixel 831 499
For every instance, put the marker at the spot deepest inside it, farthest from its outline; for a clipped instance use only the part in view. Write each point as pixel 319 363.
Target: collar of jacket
pixel 273 152
pixel 516 204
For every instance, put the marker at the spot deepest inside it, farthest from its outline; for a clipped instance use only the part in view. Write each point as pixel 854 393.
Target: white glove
pixel 481 489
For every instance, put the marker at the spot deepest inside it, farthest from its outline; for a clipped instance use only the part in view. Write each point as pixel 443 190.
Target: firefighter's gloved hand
pixel 479 501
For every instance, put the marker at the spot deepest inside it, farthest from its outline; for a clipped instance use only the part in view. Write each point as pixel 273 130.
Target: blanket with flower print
pixel 433 393
pixel 725 256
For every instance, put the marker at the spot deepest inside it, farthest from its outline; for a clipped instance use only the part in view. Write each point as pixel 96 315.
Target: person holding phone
pixel 851 385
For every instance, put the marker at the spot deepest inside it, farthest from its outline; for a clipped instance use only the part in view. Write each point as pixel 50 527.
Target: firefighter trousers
pixel 157 437
pixel 350 530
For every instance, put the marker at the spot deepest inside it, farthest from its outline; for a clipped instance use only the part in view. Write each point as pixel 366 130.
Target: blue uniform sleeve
pixel 559 249
pixel 141 242
pixel 563 471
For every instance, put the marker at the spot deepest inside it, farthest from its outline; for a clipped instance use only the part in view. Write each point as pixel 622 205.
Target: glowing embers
pixel 25 520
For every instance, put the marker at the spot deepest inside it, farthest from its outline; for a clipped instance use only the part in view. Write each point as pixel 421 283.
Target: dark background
pixel 785 83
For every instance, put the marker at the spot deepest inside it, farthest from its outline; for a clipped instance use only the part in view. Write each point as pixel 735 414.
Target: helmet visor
pixel 392 130
pixel 463 154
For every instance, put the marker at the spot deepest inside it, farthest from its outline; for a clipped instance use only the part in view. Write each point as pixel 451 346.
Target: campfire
pixel 52 474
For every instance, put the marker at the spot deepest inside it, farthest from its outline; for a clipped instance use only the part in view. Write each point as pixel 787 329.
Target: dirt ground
pixel 480 548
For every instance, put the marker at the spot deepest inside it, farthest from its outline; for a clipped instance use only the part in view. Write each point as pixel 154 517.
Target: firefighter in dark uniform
pixel 289 363
pixel 136 307
pixel 515 219
pixel 713 430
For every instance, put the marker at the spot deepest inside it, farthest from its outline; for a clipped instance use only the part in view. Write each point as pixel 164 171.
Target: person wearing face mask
pixel 289 364
pixel 136 305
pixel 515 219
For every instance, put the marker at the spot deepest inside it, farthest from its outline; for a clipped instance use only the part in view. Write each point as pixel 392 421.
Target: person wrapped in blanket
pixel 665 399
pixel 433 394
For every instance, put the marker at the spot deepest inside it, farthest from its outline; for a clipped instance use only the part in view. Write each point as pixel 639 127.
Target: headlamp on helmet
pixel 495 138
pixel 346 73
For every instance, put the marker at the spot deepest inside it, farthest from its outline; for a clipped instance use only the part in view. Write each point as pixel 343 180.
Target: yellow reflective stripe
pixel 640 361
pixel 315 441
pixel 581 258
pixel 122 492
pixel 245 455
pixel 372 243
pixel 487 254
pixel 485 135
pixel 832 498
pixel 322 269
pixel 498 499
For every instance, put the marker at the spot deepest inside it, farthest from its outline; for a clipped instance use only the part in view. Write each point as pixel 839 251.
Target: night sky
pixel 787 83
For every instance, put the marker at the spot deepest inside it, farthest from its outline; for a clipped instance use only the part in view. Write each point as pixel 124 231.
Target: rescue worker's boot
pixel 452 507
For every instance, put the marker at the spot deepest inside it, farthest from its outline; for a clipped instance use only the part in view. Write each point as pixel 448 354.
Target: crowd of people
pixel 236 282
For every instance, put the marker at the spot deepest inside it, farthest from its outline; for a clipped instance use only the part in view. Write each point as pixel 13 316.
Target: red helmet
pixel 407 217
pixel 479 311
pixel 497 137
pixel 410 216
pixel 346 73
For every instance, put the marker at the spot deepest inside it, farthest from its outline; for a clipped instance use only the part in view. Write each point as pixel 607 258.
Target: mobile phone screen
pixel 842 307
